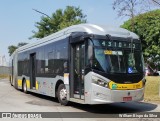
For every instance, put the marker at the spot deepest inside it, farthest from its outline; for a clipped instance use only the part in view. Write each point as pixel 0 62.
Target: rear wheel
pixel 62 94
pixel 24 86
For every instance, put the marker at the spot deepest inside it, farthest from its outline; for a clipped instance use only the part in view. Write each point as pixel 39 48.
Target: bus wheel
pixel 24 86
pixel 62 94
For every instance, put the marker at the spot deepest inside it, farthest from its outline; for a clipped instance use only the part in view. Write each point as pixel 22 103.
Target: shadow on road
pixel 44 100
pixel 114 108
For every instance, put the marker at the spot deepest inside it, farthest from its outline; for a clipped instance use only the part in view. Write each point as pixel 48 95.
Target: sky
pixel 17 17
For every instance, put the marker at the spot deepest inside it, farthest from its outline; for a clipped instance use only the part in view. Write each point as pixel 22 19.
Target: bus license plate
pixel 127 98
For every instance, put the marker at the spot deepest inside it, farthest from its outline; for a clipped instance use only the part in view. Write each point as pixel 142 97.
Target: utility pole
pixel 41 13
pixel 156 2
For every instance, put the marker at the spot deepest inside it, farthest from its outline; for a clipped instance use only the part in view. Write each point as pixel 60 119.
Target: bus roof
pixel 88 28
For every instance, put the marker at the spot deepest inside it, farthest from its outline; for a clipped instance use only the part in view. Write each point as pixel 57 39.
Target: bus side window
pixel 40 61
pixel 51 62
pixel 61 56
pixel 48 53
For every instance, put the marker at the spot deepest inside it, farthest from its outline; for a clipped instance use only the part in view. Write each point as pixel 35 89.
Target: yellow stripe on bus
pixel 36 85
pixel 19 83
pixel 28 83
pixel 116 86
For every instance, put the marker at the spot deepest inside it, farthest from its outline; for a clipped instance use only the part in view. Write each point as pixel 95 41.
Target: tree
pixel 126 8
pixel 59 20
pixel 21 44
pixel 12 48
pixel 147 26
pixel 131 8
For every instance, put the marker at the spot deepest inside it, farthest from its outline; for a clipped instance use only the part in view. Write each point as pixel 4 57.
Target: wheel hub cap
pixel 63 94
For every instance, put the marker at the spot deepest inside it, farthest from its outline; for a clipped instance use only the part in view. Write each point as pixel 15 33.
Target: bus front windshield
pixel 122 58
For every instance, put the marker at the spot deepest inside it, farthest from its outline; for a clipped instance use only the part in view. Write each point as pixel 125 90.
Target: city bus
pixel 85 63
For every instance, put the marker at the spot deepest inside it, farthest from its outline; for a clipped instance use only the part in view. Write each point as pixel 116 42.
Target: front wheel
pixel 62 94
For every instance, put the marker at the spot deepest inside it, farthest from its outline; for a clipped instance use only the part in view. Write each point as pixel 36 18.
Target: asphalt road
pixel 12 100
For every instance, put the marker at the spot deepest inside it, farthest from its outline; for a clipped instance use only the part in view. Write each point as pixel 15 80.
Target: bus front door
pixel 78 70
pixel 32 70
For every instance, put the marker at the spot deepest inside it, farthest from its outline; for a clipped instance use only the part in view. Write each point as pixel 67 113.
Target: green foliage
pixel 12 48
pixel 59 20
pixel 147 26
pixel 21 44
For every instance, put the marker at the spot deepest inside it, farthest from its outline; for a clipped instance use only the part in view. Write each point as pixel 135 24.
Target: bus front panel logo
pixel 114 86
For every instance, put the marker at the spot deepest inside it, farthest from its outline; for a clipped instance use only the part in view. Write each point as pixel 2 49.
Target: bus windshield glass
pixel 117 57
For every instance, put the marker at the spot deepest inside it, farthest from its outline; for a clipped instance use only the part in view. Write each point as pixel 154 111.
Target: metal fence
pixel 4 70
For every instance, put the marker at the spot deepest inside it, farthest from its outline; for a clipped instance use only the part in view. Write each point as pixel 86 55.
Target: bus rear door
pixel 32 70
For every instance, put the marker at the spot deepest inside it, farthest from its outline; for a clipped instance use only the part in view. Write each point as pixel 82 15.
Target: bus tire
pixel 62 94
pixel 25 87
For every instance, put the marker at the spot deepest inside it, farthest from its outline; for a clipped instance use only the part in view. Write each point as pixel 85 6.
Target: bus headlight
pixel 100 81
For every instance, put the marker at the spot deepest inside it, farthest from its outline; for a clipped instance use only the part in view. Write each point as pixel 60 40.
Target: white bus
pixel 86 63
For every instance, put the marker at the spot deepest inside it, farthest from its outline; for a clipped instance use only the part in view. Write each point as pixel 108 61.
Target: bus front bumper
pixel 102 95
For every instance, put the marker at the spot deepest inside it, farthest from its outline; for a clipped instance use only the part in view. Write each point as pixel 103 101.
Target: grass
pixel 152 89
pixel 3 76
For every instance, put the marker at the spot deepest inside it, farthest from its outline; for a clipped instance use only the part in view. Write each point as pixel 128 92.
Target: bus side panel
pixel 50 65
pixel 15 79
pixel 46 86
pixel 88 87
